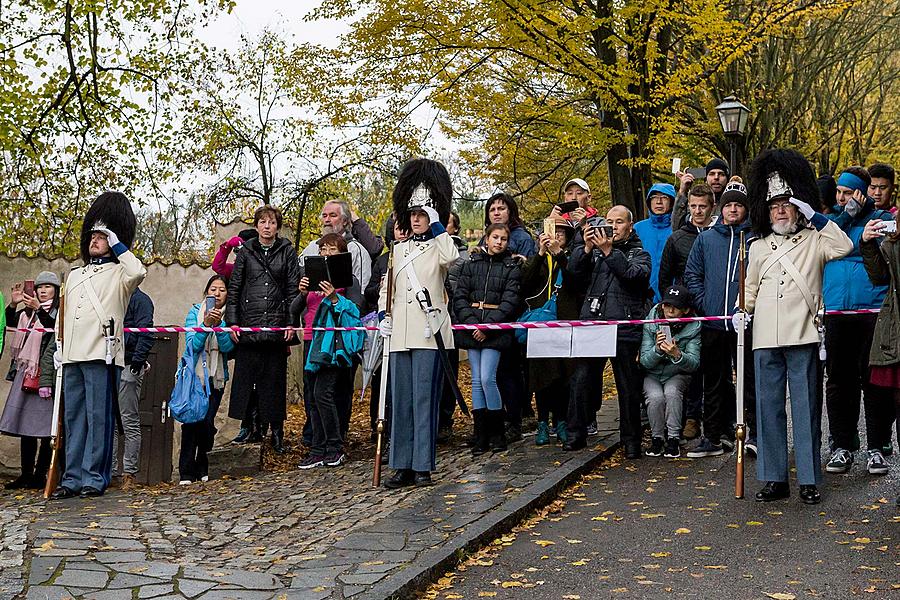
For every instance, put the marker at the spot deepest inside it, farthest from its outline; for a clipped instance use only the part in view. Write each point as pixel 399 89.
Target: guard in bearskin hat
pixel 96 296
pixel 784 294
pixel 419 324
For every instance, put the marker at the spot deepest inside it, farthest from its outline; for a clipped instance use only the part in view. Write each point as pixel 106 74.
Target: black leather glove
pixel 137 366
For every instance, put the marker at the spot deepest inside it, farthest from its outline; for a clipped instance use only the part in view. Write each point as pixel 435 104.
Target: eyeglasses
pixel 779 206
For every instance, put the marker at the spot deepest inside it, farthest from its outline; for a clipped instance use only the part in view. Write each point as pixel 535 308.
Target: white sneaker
pixel 185 482
pixel 205 478
pixel 876 465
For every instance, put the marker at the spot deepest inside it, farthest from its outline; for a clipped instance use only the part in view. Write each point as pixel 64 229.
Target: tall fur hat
pixel 113 210
pixel 779 173
pixel 431 177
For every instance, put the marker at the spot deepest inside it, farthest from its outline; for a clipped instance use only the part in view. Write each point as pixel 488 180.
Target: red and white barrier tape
pixel 470 327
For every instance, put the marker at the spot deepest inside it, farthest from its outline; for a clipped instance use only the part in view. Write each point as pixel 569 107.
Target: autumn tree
pixel 85 99
pixel 548 91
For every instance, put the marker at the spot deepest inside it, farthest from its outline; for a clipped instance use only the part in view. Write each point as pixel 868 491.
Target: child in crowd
pixel 670 352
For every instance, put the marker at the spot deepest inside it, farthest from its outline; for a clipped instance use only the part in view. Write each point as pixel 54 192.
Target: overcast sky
pixel 250 17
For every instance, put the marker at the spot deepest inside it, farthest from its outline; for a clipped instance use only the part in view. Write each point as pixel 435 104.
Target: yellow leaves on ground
pixel 544 543
pixel 651 515
pixel 509 584
pixel 702 548
pixel 660 554
pixel 682 530
pixel 780 595
pixel 754 523
pixel 486 594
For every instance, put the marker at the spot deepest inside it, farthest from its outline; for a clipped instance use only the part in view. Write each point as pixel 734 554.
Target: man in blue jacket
pixel 656 229
pixel 849 337
pixel 713 277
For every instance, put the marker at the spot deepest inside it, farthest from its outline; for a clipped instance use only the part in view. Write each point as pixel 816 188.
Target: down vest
pixel 262 287
pixel 494 280
pixel 619 283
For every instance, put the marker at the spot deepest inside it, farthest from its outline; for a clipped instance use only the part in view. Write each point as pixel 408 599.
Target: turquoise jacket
pixel 661 366
pixel 197 339
pixel 335 348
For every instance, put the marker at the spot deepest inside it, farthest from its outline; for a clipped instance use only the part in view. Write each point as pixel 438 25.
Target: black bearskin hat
pixel 113 210
pixel 436 180
pixel 795 172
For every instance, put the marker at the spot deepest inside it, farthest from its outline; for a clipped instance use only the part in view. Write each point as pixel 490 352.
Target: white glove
pixel 432 215
pixel 805 209
pixel 740 319
pixel 111 237
pixel 385 327
pixel 57 359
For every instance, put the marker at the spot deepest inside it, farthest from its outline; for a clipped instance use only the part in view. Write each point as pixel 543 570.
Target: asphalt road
pixel 662 528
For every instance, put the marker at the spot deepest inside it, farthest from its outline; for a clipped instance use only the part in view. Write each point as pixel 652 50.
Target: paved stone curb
pixel 427 568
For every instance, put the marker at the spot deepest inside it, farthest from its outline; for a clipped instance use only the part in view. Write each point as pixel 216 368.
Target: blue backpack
pixel 190 398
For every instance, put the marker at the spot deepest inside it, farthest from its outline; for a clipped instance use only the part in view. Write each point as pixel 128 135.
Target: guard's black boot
pixel 774 490
pixel 497 430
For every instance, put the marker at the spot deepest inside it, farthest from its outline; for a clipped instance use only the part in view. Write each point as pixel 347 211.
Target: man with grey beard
pixel 337 218
pixel 784 294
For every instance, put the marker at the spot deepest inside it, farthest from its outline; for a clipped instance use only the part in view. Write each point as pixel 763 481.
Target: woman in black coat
pixel 487 291
pixel 262 286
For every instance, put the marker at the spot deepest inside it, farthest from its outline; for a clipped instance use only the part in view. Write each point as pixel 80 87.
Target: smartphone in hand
pixel 28 287
pixel 889 227
pixel 210 303
pixel 667 332
pixel 566 207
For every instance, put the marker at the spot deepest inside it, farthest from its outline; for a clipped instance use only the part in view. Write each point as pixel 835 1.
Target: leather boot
pixel 278 440
pixel 480 439
pixel 497 429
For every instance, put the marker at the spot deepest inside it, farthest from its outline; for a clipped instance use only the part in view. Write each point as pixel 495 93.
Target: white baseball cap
pixel 579 182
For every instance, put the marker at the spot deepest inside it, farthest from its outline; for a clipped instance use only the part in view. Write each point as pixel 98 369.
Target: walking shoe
pixel 656 447
pixel 727 443
pixel 592 428
pixel 401 478
pixel 633 450
pixel 127 482
pixel 673 448
pixel 876 464
pixel 311 462
pixel 691 429
pixel 90 492
pixel 840 461
pixel 561 432
pixel 335 460
pixel 205 478
pixel 542 435
pixel 423 479
pixel 706 448
pixel 513 433
pixel 809 494
pixel 242 436
pixel 574 444
pixel 751 448
pixel 887 450
pixel 185 482
pixel 774 490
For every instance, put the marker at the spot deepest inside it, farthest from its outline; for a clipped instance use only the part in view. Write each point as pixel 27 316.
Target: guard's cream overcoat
pixel 82 327
pixel 438 255
pixel 781 315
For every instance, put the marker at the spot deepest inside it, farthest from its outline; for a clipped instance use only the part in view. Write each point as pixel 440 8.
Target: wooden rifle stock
pixel 56 439
pixel 379 429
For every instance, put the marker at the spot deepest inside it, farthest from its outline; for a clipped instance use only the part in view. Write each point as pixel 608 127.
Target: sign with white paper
pixel 594 341
pixel 572 342
pixel 550 343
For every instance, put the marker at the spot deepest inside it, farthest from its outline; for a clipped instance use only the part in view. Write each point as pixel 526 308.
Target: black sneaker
pixel 656 447
pixel 592 428
pixel 311 462
pixel 673 448
pixel 840 461
pixel 706 448
pixel 513 433
pixel 335 460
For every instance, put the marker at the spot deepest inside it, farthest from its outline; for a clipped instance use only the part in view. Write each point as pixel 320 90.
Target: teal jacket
pixel 661 366
pixel 335 348
pixel 197 339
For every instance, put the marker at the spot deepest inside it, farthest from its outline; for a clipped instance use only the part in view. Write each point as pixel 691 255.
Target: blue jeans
pixel 798 367
pixel 485 393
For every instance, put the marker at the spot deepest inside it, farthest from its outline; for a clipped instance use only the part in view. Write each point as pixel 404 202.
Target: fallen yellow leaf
pixel 862 540
pixel 544 543
pixel 509 584
pixel 486 594
pixel 682 530
pixel 780 595
pixel 703 548
pixel 754 523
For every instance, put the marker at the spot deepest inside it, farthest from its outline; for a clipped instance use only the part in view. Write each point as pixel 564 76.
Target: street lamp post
pixel 733 117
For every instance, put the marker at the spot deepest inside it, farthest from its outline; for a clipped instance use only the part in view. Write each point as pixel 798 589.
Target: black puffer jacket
pixel 675 255
pixel 492 279
pixel 619 285
pixel 262 287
